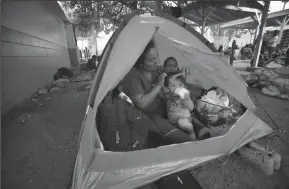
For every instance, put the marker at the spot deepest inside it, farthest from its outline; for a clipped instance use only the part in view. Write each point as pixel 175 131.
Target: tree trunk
pixel 203 21
pixel 96 50
pixel 203 27
pixel 134 5
pixel 157 6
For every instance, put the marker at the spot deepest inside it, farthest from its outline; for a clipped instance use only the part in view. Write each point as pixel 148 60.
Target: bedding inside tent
pixel 97 167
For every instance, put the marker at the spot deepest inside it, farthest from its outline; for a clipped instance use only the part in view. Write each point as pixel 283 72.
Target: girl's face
pixel 171 66
pixel 151 60
pixel 174 84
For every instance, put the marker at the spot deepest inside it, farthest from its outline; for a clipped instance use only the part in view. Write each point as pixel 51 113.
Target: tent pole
pixel 261 34
pixel 203 27
pixel 205 16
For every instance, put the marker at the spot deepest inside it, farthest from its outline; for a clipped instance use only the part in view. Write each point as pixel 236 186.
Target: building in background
pixel 37 39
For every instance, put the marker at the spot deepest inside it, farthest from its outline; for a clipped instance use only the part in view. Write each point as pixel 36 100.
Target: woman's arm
pixel 162 94
pixel 143 100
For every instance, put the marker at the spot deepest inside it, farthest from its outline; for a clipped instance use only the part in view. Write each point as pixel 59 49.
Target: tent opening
pixel 124 127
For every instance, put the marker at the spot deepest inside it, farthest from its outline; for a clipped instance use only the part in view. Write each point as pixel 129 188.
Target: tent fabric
pixel 96 168
pixel 208 68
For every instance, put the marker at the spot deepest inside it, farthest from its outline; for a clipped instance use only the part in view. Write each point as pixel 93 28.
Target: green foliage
pixel 92 15
pixel 89 16
pixel 216 31
pixel 101 15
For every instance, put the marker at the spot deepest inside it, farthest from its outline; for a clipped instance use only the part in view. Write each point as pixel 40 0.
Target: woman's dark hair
pixel 141 59
pixel 180 78
pixel 170 58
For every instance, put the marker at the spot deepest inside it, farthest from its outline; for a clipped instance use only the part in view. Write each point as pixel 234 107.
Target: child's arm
pixel 188 103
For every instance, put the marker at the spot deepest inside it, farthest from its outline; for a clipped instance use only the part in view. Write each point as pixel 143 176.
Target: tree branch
pixel 120 9
pixel 176 3
pixel 129 5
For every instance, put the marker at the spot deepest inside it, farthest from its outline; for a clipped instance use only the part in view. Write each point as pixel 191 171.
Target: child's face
pixel 171 66
pixel 174 84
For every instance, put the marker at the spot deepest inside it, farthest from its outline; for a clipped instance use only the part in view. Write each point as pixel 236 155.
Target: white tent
pixel 99 169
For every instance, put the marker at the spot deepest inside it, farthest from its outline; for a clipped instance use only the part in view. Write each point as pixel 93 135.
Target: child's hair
pixel 170 58
pixel 180 78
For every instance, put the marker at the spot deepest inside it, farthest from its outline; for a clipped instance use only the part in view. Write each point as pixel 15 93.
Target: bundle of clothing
pixel 272 82
pixel 218 110
pixel 277 58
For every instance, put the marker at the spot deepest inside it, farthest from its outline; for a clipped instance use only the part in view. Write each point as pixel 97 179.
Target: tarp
pixel 99 169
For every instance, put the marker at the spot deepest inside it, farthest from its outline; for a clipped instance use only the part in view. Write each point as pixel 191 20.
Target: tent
pixel 96 168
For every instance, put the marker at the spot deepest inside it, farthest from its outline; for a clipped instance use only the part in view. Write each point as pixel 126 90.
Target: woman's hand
pixel 161 79
pixel 143 100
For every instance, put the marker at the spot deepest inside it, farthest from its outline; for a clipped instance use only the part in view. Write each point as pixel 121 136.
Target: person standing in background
pixel 91 63
pixel 221 50
pixel 232 56
pixel 273 42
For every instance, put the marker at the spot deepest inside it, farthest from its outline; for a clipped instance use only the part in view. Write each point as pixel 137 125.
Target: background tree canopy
pixel 89 16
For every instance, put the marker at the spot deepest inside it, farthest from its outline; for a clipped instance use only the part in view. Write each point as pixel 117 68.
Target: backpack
pixel 123 127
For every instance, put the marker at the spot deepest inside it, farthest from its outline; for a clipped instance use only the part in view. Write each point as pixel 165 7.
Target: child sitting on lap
pixel 179 104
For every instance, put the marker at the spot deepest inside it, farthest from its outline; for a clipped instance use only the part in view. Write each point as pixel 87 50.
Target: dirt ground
pixel 233 172
pixel 40 153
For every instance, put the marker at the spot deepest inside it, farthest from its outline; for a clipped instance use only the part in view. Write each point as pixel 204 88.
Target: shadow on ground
pixel 40 140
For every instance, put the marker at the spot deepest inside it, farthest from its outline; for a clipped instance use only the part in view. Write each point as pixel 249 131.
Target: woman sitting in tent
pixel 143 85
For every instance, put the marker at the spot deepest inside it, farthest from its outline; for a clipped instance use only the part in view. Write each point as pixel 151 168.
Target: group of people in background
pixel 91 63
pixel 270 49
pixel 230 51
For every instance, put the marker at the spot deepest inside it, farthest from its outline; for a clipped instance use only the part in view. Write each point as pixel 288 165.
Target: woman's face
pixel 171 66
pixel 151 60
